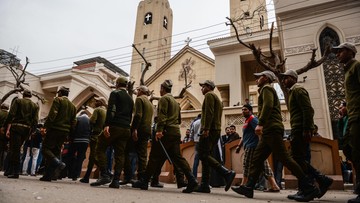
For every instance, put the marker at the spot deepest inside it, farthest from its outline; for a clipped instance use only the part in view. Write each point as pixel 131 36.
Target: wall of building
pixel 202 70
pixel 300 24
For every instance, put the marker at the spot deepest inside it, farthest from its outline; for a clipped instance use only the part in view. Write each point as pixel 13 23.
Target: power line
pixel 207 38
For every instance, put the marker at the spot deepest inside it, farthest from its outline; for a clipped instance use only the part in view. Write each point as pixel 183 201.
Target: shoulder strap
pixel 250 118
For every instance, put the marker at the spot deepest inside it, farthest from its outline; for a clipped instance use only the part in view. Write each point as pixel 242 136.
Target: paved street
pixel 29 189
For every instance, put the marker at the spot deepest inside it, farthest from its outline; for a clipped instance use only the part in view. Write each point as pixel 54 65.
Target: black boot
pixel 84 179
pixel 157 184
pixel 355 200
pixel 8 170
pixel 246 190
pixel 324 184
pixel 104 179
pixel 309 191
pixel 142 183
pixel 180 181
pixel 299 192
pixel 154 181
pixel 47 174
pixel 203 188
pixel 192 183
pixel 115 182
pixel 292 197
pixel 58 167
pixel 228 175
pixel 13 176
pixel 357 189
pixel 15 172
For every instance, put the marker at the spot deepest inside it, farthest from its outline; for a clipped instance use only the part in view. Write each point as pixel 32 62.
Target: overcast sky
pixel 64 31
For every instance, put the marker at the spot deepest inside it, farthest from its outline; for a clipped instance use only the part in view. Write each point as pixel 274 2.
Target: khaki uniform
pixel 142 123
pixel 168 123
pixel 272 138
pixel 97 120
pixel 301 120
pixel 59 123
pixel 210 120
pixel 23 117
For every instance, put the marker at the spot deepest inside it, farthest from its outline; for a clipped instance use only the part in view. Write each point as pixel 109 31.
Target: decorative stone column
pixel 224 93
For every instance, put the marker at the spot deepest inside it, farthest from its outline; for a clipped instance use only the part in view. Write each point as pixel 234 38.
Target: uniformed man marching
pixel 141 127
pixel 116 133
pixel 168 132
pixel 302 127
pixel 22 118
pixel 210 133
pixel 346 52
pixel 271 130
pixel 59 123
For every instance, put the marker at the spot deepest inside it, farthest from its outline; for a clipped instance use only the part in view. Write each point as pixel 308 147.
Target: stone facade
pixel 304 26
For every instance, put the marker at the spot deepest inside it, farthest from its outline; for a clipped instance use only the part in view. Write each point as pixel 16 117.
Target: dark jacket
pixel 62 115
pixel 211 112
pixel 269 109
pixel 301 111
pixel 82 129
pixel 120 109
pixel 23 111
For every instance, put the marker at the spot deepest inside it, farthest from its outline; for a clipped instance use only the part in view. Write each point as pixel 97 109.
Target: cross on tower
pixel 148 17
pixel 165 22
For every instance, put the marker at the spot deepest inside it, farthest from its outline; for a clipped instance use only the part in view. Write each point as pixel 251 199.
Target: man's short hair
pixel 83 112
pixel 249 107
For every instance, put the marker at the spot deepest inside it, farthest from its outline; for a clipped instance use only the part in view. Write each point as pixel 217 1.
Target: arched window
pixel 148 18
pixel 334 77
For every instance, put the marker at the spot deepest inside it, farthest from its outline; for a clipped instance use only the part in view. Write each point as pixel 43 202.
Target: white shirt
pixel 195 130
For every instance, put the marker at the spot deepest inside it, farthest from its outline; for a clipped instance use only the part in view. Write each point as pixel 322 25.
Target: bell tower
pixel 152 37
